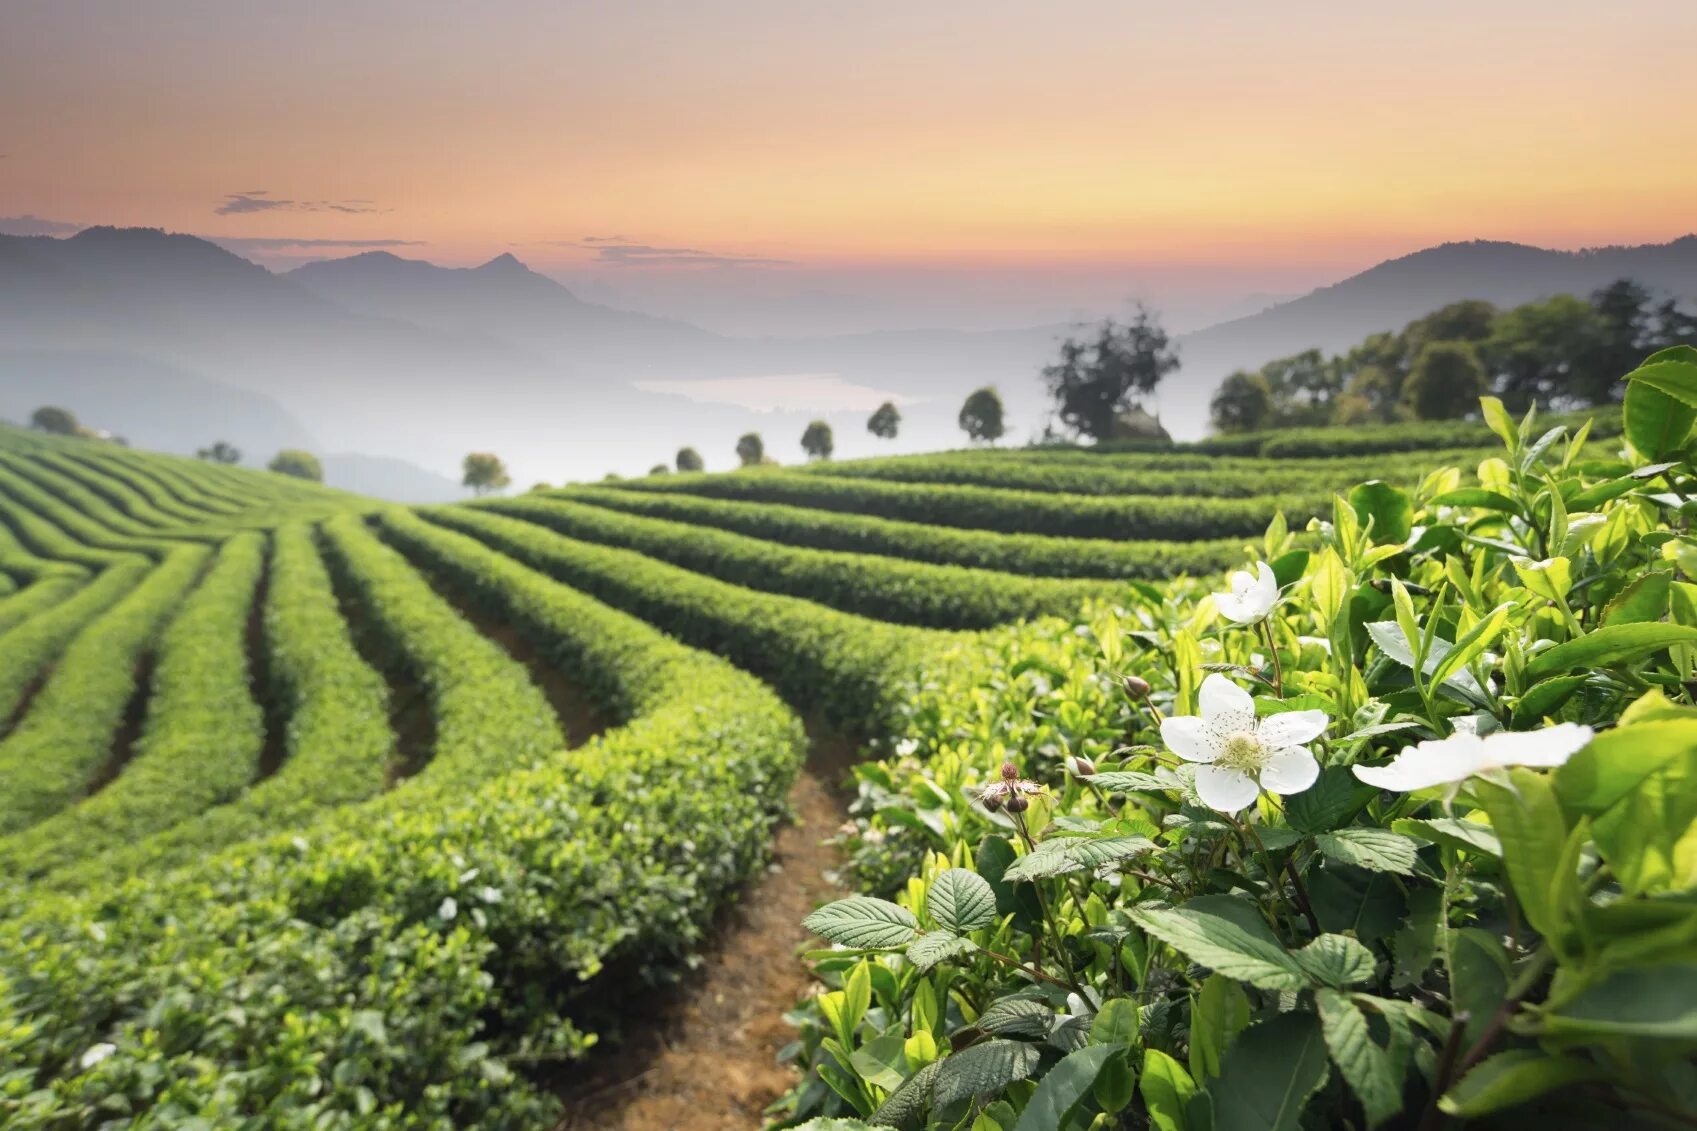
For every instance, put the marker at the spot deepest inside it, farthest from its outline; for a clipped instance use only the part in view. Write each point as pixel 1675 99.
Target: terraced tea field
pixel 321 812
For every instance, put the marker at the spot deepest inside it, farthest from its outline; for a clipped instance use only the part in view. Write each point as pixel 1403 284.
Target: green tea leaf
pixel 987 1067
pixel 1614 644
pixel 1220 1013
pixel 1337 961
pixel 1479 977
pixel 1388 508
pixel 1166 1088
pixel 864 923
pixel 1064 1087
pixel 1366 1066
pixel 1116 1023
pixel 1515 1077
pixel 1377 849
pixel 1332 801
pixel 1222 944
pixel 961 900
pixel 937 946
pixel 1640 1001
pixel 1269 1073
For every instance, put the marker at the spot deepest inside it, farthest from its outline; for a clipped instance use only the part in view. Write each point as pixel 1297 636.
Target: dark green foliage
pixel 751 449
pixel 1098 379
pixel 885 422
pixel 816 440
pixel 690 460
pixel 28 650
pixel 55 420
pixel 1445 381
pixel 982 417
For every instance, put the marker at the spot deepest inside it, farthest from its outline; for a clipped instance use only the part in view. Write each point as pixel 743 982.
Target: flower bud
pixel 1136 688
pixel 990 803
pixel 1010 772
pixel 1080 766
pixel 1018 803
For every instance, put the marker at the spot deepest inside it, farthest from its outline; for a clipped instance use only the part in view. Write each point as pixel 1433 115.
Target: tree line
pixel 1562 352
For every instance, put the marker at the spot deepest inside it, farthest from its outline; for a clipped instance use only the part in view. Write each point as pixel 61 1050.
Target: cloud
pixel 27 225
pixel 620 252
pixel 784 392
pixel 261 200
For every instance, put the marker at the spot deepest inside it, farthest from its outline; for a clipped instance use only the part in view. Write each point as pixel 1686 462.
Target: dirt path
pixel 708 1063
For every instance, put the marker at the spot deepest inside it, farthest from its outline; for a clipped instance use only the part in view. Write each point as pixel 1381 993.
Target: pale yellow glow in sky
pixel 947 133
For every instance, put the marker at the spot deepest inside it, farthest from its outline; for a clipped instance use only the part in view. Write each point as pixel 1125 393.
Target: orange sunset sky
pixel 1221 147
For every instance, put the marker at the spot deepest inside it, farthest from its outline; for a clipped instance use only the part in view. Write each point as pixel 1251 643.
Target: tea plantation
pixel 1305 780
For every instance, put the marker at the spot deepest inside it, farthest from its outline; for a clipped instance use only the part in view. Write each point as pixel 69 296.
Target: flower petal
pixel 1293 728
pixel 1552 746
pixel 1223 789
pixel 1429 763
pixel 1290 770
pixel 1226 707
pixel 1189 738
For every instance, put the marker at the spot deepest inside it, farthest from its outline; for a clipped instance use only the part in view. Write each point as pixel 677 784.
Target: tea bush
pixel 1035 555
pixel 931 596
pixel 1399 826
pixel 1000 509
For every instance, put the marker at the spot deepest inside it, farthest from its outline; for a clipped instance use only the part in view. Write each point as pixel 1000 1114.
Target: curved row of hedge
pixel 20 604
pixel 89 517
pixel 918 593
pixel 1033 555
pixel 337 743
pixel 994 508
pixel 489 716
pixel 816 657
pixel 136 475
pixel 47 539
pixel 62 742
pixel 119 492
pixel 27 651
pixel 1237 479
pixel 390 966
pixel 201 741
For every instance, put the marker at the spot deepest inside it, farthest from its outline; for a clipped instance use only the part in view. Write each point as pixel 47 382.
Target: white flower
pixel 1438 761
pixel 1251 597
pixel 96 1054
pixel 449 909
pixel 1240 754
pixel 489 894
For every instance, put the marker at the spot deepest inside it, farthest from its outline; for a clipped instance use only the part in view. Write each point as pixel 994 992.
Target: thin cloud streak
pixel 617 251
pixel 260 200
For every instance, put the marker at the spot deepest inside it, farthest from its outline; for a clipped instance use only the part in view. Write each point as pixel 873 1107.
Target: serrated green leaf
pixel 864 923
pixel 1049 858
pixel 1096 852
pixel 1470 836
pixel 987 1067
pixel 1126 781
pixel 1018 1017
pixel 1337 961
pixel 1379 850
pixel 1334 798
pixel 961 900
pixel 937 946
pixel 907 1103
pixel 1222 944
pixel 1366 1067
pixel 1220 1012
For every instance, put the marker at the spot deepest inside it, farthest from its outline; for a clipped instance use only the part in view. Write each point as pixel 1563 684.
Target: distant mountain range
pixel 177 342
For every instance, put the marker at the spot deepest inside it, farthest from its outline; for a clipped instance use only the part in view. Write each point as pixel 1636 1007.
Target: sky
pixel 774 167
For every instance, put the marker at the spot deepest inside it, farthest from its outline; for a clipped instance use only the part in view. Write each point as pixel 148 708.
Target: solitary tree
pixel 981 417
pixel 751 449
pixel 1446 381
pixel 1242 403
pixel 690 460
pixel 52 418
pixel 885 421
pixel 301 465
pixel 817 441
pixel 1099 379
pixel 220 452
pixel 484 472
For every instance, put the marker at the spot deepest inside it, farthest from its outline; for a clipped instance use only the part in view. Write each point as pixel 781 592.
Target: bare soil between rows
pixel 707 1060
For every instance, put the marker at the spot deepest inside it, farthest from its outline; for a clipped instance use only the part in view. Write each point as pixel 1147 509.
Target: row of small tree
pixel 1561 352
